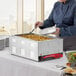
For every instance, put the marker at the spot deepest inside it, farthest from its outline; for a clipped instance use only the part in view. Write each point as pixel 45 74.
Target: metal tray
pixel 4 41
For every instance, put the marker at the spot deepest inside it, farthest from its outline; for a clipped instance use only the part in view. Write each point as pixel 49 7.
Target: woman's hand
pixel 37 24
pixel 57 31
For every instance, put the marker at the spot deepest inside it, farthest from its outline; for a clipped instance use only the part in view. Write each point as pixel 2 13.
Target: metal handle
pixel 32 30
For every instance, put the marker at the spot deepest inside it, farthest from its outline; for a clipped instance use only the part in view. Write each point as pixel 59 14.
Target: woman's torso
pixel 63 14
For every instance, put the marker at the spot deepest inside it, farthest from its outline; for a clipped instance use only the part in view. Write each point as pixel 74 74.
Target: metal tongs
pixel 24 33
pixel 32 30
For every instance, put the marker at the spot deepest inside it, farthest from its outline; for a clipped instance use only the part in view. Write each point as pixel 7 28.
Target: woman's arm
pixel 49 22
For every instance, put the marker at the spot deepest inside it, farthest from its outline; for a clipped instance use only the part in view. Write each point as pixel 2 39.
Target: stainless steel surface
pixel 32 49
pixel 4 41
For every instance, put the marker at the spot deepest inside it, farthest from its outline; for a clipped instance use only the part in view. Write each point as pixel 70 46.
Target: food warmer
pixel 36 47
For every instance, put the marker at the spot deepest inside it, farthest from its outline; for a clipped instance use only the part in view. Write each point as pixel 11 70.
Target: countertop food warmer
pixel 36 47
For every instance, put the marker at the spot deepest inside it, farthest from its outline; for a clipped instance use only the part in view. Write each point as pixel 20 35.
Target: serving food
pixel 71 56
pixel 68 64
pixel 35 37
pixel 70 70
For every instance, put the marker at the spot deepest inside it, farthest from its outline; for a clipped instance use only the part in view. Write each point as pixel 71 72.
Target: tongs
pixel 32 30
pixel 25 33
